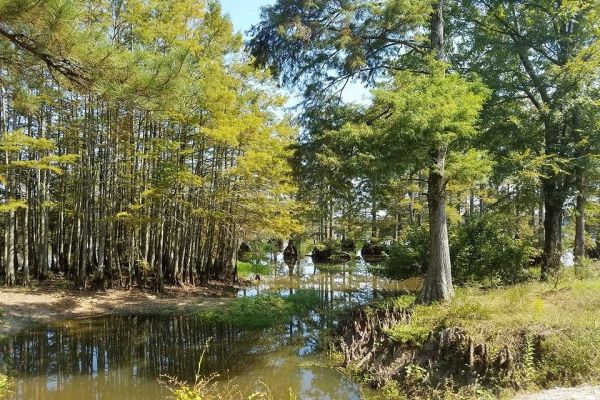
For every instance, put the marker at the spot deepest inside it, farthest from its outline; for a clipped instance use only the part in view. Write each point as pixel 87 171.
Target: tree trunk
pixel 438 282
pixel 579 250
pixel 25 239
pixel 373 218
pixel 9 238
pixel 552 240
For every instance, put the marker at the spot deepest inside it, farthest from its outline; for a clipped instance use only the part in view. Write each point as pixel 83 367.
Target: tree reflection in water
pixel 122 356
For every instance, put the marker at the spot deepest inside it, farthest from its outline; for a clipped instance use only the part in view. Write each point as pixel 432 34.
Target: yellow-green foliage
pixel 4 386
pixel 566 315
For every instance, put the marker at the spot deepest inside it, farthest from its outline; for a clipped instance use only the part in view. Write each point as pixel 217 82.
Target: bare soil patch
pixel 55 301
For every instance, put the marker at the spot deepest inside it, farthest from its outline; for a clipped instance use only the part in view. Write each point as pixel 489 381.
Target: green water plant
pixel 264 311
pixel 210 387
pixel 245 269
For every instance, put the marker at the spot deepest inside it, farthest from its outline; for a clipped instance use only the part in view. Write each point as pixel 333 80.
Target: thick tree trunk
pixel 438 282
pixel 579 250
pixel 552 239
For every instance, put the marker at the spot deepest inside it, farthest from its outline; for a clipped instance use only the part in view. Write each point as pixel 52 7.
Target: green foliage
pixel 485 247
pixel 430 111
pixel 551 331
pixel 245 269
pixel 412 334
pixel 264 311
pixel 586 269
pixel 570 358
pixel 408 256
pixel 4 386
pixel 12 205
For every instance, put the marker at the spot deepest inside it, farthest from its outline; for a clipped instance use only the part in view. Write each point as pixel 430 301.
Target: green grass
pixel 246 269
pixel 264 311
pixel 566 315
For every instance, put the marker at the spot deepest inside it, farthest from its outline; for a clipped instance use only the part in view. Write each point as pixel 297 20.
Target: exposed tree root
pixel 447 353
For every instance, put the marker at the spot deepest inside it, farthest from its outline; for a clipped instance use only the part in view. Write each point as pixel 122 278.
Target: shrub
pixel 484 247
pixel 245 269
pixel 408 256
pixel 585 269
pixel 487 247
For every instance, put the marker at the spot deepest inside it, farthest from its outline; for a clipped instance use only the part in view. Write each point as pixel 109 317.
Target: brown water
pixel 122 357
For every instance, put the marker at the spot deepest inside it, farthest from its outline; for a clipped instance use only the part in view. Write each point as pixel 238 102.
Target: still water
pixel 122 357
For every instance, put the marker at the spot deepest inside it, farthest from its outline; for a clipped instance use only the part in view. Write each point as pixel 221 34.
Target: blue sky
pixel 245 13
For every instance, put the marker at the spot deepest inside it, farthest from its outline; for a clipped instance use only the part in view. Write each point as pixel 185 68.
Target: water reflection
pixel 121 356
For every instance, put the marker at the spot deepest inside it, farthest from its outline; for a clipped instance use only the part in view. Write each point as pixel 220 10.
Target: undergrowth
pixel 554 328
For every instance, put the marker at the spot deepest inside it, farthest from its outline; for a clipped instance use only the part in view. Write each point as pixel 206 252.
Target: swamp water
pixel 122 357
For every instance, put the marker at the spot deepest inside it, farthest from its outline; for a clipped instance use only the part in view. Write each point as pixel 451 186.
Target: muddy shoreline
pixel 22 307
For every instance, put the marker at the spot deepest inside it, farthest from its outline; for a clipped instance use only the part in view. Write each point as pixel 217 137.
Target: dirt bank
pixel 20 307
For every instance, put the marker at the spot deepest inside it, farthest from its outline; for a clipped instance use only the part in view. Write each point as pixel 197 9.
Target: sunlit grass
pixel 566 314
pixel 246 269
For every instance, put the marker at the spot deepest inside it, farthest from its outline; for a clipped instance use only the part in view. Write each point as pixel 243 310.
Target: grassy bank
pixel 552 329
pixel 249 270
pixel 264 311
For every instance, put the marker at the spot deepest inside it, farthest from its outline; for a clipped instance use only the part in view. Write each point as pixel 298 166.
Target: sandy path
pixel 579 393
pixel 19 307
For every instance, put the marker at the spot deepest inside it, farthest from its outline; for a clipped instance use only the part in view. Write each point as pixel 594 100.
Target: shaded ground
pixel 580 393
pixel 52 301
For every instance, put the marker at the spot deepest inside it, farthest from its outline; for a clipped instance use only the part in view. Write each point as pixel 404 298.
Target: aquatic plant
pixel 245 269
pixel 211 388
pixel 264 311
